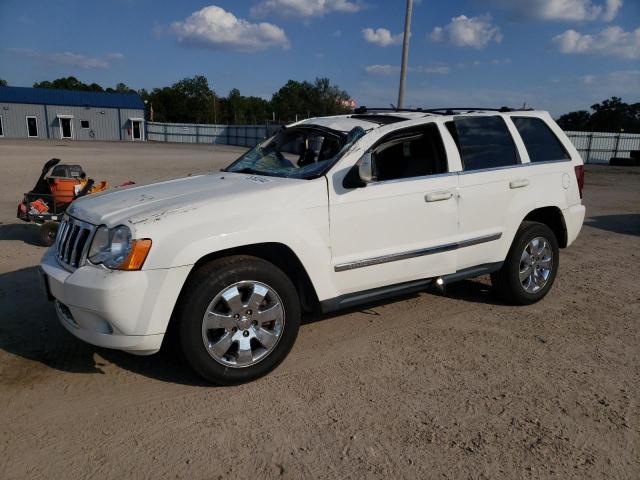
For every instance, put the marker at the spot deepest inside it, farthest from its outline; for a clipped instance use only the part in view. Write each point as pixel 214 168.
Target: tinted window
pixel 1 130
pixel 410 153
pixel 541 142
pixel 84 123
pixel 484 142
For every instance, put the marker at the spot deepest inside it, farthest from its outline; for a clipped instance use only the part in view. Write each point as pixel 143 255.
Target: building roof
pixel 73 98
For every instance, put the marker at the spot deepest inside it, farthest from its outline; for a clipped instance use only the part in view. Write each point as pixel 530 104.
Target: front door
pixel 66 128
pixel 136 129
pixel 401 226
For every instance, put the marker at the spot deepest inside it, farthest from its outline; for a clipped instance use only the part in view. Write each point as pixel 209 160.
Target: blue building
pixel 67 114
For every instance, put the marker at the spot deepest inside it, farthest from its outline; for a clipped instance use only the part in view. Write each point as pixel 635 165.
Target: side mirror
pixel 366 168
pixel 361 173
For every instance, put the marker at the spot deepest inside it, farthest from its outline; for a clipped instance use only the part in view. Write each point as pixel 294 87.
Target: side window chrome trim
pixel 411 179
pixel 394 257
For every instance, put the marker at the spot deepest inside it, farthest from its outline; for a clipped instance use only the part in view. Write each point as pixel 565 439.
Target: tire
pixel 534 252
pixel 233 306
pixel 47 233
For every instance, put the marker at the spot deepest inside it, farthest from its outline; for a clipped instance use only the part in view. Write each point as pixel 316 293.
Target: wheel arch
pixel 552 217
pixel 278 254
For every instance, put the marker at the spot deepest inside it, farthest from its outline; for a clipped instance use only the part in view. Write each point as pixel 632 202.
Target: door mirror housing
pixel 361 173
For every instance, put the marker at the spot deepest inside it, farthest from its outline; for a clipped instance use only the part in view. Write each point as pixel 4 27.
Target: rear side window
pixel 542 144
pixel 484 142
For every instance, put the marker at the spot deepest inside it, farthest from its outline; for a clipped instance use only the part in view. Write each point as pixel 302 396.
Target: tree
pixel 188 101
pixel 3 83
pixel 577 121
pixel 69 83
pixel 309 99
pixel 612 115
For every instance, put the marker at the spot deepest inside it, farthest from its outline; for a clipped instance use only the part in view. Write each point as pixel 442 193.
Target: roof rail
pixel 364 109
pixel 452 110
pixel 439 111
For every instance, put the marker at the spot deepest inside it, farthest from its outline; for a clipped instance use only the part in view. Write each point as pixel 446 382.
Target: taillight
pixel 580 178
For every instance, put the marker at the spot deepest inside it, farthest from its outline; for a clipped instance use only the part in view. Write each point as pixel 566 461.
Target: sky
pixel 557 55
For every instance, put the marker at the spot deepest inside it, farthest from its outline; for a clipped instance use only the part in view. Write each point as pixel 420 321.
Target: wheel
pixel 238 319
pixel 530 267
pixel 47 233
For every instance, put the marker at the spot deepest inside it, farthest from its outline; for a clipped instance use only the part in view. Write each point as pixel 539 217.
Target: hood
pixel 141 204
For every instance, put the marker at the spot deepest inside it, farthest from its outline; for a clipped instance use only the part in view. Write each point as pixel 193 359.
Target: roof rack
pixel 452 110
pixel 363 109
pixel 440 111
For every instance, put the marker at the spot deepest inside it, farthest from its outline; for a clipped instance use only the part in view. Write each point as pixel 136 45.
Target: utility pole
pixel 405 52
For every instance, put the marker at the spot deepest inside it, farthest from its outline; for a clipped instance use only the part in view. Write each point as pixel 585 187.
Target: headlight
pixel 115 249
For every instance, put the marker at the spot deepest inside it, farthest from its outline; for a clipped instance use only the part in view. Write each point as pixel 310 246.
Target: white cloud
pixel 612 41
pixel 214 27
pixel 462 31
pixel 381 37
pixel 304 8
pixel 393 69
pixel 611 10
pixel 622 83
pixel 382 69
pixel 69 59
pixel 433 70
pixel 563 10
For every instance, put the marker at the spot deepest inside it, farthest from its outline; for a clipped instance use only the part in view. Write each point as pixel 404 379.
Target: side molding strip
pixel 394 257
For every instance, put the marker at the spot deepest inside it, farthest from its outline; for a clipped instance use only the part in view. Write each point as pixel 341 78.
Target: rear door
pixel 490 184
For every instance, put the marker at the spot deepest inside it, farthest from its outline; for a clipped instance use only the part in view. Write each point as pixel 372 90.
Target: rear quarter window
pixel 542 144
pixel 484 142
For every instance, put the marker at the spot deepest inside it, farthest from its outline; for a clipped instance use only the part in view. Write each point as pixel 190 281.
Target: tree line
pixel 191 100
pixel 612 115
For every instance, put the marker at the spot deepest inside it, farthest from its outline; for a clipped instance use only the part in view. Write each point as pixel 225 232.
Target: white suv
pixel 329 213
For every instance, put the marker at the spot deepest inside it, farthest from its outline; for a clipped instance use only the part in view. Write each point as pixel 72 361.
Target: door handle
pixel 518 183
pixel 437 196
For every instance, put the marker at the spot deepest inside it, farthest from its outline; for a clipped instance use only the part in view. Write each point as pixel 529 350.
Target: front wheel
pixel 238 320
pixel 530 267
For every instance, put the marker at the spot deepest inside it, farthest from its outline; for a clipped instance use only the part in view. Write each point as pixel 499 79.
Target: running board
pixel 383 293
pixel 471 272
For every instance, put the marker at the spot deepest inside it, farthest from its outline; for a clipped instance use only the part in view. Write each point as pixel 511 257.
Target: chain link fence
pixel 595 147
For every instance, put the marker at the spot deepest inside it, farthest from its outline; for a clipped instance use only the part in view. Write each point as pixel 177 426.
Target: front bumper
pixel 123 310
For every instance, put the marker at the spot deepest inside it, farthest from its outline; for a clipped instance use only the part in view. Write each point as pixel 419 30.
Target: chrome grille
pixel 73 241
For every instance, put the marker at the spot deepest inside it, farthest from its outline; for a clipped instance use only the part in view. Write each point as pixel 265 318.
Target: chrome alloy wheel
pixel 243 324
pixel 536 263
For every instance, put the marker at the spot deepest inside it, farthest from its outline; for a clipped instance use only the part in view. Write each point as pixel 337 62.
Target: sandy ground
pixel 437 385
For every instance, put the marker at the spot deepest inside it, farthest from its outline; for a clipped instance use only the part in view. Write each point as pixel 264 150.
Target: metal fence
pixel 595 147
pixel 600 147
pixel 242 135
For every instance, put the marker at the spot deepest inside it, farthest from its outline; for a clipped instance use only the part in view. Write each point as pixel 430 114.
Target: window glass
pixel 484 142
pixel 32 126
pixel 297 152
pixel 1 127
pixel 84 124
pixel 410 153
pixel 542 144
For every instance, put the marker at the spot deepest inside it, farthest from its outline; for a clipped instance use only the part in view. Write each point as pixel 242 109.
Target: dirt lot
pixel 447 385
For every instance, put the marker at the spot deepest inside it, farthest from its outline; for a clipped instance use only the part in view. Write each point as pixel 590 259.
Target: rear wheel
pixel 47 233
pixel 530 267
pixel 238 320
